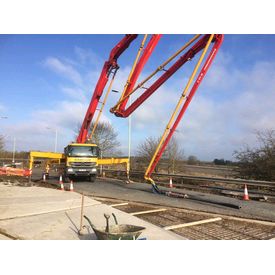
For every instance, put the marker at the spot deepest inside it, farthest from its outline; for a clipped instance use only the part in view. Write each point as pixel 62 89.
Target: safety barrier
pixel 9 171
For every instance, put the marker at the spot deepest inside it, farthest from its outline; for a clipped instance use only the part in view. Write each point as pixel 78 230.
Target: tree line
pixel 251 162
pixel 258 162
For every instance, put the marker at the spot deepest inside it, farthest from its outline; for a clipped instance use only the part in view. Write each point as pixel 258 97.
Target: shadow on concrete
pixel 84 236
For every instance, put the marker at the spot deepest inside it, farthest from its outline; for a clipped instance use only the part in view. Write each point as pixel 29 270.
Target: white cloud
pixel 74 93
pixel 154 113
pixel 34 135
pixel 254 107
pixel 224 114
pixel 65 116
pixel 87 56
pixel 2 108
pixel 228 107
pixel 63 69
pixel 216 127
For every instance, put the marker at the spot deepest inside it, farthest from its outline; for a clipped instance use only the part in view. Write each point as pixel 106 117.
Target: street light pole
pixel 55 145
pixel 55 140
pixel 13 151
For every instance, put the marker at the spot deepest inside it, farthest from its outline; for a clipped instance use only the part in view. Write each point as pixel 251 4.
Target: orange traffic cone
pixel 245 196
pixel 71 186
pixel 61 183
pixel 171 183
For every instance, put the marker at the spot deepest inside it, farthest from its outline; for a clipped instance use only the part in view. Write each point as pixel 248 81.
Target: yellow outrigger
pixel 78 160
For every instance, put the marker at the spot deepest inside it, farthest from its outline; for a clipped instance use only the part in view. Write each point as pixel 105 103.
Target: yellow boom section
pixel 45 155
pixel 83 144
pixel 114 161
pixel 182 98
pixel 60 156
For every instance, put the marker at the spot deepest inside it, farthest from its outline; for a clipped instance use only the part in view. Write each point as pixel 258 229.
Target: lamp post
pixel 13 147
pixel 129 137
pixel 55 142
pixel 13 150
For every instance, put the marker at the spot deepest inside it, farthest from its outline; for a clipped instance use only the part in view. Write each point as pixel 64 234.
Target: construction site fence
pixel 9 171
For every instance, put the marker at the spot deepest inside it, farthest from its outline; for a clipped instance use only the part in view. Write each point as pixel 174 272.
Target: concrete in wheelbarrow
pixel 39 213
pixel 3 237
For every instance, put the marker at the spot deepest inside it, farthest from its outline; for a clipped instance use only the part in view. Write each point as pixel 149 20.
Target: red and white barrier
pixel 9 171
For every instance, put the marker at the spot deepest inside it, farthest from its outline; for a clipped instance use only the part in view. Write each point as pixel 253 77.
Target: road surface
pixel 141 192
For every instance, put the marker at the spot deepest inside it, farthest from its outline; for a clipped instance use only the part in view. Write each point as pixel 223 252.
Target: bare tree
pixel 192 160
pixel 173 153
pixel 258 163
pixel 105 137
pixel 147 148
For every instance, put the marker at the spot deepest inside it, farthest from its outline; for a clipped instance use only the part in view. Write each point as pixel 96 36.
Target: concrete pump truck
pixel 82 158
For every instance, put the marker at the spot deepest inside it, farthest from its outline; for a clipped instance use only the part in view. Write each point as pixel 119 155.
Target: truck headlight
pixel 70 170
pixel 94 170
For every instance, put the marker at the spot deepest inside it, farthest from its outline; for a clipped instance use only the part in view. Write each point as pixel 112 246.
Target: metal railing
pixel 256 183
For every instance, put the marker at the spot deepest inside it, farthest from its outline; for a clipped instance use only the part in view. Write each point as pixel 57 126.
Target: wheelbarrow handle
pixel 107 217
pixel 113 214
pixel 89 221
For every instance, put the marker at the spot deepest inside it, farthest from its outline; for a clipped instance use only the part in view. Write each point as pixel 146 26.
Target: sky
pixel 47 82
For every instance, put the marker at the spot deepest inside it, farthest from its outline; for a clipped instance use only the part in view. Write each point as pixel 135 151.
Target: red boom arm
pixel 122 112
pixel 209 60
pixel 120 109
pixel 108 67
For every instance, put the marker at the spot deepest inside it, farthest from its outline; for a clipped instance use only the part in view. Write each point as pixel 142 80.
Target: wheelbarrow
pixel 117 231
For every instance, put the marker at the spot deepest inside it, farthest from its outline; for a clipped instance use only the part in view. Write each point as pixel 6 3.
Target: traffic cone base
pixel 245 196
pixel 61 183
pixel 71 186
pixel 171 183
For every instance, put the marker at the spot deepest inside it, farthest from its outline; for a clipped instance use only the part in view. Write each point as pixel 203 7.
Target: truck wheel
pixel 92 178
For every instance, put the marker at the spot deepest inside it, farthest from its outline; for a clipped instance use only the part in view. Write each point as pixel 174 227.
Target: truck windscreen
pixel 83 151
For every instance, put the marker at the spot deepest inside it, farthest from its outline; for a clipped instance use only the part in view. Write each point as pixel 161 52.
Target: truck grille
pixel 83 164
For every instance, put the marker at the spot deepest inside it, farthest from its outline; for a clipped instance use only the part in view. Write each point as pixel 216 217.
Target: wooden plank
pixel 192 223
pixel 148 211
pixel 119 204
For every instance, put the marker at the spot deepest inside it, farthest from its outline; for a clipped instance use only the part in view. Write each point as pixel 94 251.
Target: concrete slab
pixel 56 215
pixel 18 201
pixel 64 225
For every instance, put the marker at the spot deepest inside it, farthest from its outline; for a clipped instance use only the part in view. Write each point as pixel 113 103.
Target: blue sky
pixel 48 80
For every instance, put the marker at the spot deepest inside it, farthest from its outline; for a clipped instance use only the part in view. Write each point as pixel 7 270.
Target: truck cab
pixel 81 160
